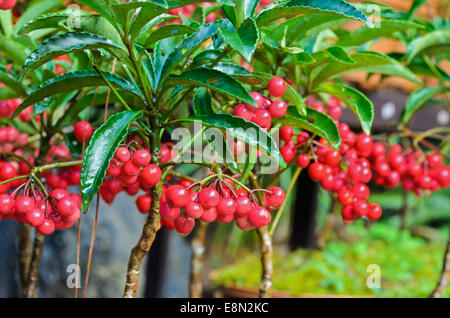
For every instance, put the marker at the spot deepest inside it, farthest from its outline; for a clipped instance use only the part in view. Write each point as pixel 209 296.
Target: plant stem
pixel 31 288
pixel 265 286
pixel 25 253
pixel 91 246
pixel 198 252
pixel 439 291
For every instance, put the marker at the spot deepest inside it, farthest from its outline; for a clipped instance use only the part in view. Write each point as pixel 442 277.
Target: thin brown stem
pixel 78 251
pixel 25 254
pixel 31 288
pixel 439 291
pixel 91 247
pixel 198 253
pixel 265 287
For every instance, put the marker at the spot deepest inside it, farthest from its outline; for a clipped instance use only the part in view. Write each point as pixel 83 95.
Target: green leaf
pixel 36 9
pixel 102 8
pixel 215 80
pixel 51 20
pixel 8 80
pixel 7 93
pixel 415 6
pixel 167 31
pixel 340 55
pixel 316 122
pixel 365 62
pixel 240 128
pixel 293 97
pixel 241 74
pixel 432 43
pixel 65 43
pixel 102 146
pixel 244 40
pixel 6 22
pixel 364 34
pixel 422 68
pixel 73 81
pixel 296 7
pixel 418 98
pixel 354 99
pixel 202 102
pixel 12 49
pixel 241 10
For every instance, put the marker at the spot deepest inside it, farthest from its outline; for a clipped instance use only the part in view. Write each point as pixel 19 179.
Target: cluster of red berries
pixel 58 211
pixel 183 203
pixel 415 170
pixel 131 171
pixel 8 107
pixel 345 171
pixel 267 109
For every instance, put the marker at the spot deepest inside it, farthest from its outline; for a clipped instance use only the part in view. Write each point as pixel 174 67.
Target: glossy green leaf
pixel 167 31
pixel 241 129
pixel 51 20
pixel 102 8
pixel 365 62
pixel 365 34
pixel 422 68
pixel 296 7
pixel 102 146
pixel 73 81
pixel 35 9
pixel 354 99
pixel 12 49
pixel 435 42
pixel 340 55
pixel 202 102
pixel 244 40
pixel 241 74
pixel 418 98
pixel 6 23
pixel 9 81
pixel 215 80
pixel 316 122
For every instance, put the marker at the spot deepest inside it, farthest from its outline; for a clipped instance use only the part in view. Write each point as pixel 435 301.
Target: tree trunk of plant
pixel 198 253
pixel 25 253
pixel 31 288
pixel 445 275
pixel 144 244
pixel 265 286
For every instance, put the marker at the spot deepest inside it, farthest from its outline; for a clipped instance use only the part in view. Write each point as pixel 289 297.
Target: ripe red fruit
pixel 276 197
pixel 361 208
pixel 375 212
pixel 363 143
pixel 143 203
pixel 24 205
pixel 302 161
pixel 276 86
pixel 7 171
pixel 194 210
pixel 167 212
pixel 262 118
pixel 361 191
pixel 177 196
pixel 286 133
pixel 243 206
pixel 58 194
pixel 241 110
pixel 278 108
pixel 35 218
pixel 345 196
pixel 335 112
pixel 378 149
pixel 332 158
pixel 6 204
pixel 151 175
pixel 141 158
pixel 348 214
pixel 209 198
pixel 47 227
pixel 382 168
pixel 226 206
pixel 288 153
pixel 316 171
pixel 130 169
pixel 397 161
pixel 209 215
pixel 434 160
pixel 82 131
pixel 259 216
pixel 184 224
pixel 122 154
pixel 244 224
pixel 66 206
pixel 259 100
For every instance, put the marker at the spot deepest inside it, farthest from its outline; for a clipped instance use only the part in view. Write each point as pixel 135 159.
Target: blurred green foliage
pixel 409 266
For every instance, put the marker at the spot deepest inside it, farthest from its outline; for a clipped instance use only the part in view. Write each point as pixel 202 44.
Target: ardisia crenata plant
pixel 261 78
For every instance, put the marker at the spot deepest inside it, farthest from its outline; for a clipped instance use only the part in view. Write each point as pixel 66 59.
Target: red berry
pixel 151 174
pixel 259 100
pixel 130 169
pixel 7 171
pixel 209 198
pixel 35 218
pixel 209 215
pixel 434 160
pixel 363 143
pixel 259 216
pixel 244 224
pixel 141 158
pixel 47 227
pixel 82 131
pixel 262 118
pixel 302 161
pixel 167 212
pixel 276 197
pixel 345 197
pixel 276 86
pixel 122 154
pixel 226 206
pixel 361 208
pixel 24 205
pixel 75 216
pixel 286 133
pixel 184 224
pixel 66 206
pixel 316 171
pixel 348 214
pixel 278 108
pixel 332 158
pixel 374 212
pixel 361 191
pixel 143 203
pixel 288 152
pixel 194 210
pixel 243 206
pixel 177 196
